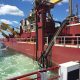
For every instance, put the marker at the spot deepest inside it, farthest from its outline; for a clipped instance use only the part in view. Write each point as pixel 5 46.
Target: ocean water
pixel 13 64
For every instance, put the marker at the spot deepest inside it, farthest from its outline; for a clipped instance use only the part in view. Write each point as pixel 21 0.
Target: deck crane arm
pixel 4 34
pixel 7 27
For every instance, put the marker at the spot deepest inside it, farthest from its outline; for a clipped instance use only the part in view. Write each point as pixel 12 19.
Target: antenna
pixel 77 10
pixel 70 8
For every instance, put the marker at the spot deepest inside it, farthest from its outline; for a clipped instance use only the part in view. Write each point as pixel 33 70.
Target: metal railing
pixel 40 75
pixel 23 40
pixel 67 40
pixel 3 39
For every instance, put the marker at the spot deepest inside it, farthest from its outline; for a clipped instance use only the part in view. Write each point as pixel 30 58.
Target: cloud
pixel 60 3
pixel 65 1
pixel 10 10
pixel 8 21
pixel 5 21
pixel 67 10
pixel 15 22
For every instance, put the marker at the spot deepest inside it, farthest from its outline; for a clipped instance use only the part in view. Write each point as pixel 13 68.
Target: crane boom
pixel 4 34
pixel 5 26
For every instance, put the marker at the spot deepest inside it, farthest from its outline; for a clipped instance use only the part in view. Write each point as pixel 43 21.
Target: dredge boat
pixel 55 48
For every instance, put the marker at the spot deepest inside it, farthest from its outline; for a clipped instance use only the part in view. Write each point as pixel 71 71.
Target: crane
pixel 7 27
pixel 5 35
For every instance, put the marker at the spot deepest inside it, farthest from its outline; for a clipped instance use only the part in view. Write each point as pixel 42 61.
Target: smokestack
pixel 70 8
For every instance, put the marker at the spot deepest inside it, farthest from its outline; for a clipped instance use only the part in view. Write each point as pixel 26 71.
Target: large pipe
pixel 70 8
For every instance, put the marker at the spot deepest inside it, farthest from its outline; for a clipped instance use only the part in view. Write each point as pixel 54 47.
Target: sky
pixel 13 11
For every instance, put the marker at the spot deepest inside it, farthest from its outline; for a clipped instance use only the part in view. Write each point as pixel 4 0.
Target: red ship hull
pixel 65 54
pixel 25 48
pixel 59 54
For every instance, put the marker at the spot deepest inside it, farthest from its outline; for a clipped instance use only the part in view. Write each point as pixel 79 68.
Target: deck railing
pixel 68 40
pixel 41 75
pixel 33 40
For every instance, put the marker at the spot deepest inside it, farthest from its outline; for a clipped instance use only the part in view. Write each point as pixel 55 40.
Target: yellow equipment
pixel 5 26
pixel 54 1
